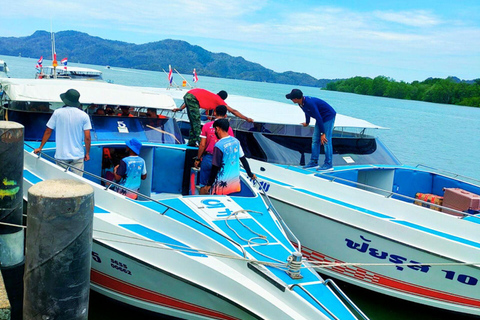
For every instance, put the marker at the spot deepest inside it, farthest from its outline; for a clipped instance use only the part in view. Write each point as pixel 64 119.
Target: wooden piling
pixel 58 250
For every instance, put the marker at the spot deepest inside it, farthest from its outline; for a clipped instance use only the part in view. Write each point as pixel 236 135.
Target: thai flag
pixel 39 63
pixel 195 77
pixel 64 62
pixel 170 75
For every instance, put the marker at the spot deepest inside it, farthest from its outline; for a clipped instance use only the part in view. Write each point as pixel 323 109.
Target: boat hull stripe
pixel 129 290
pixel 390 283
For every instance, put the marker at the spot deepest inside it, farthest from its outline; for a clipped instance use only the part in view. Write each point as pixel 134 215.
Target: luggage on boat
pixel 460 200
pixel 428 197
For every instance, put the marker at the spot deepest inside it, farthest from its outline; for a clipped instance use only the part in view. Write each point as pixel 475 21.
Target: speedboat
pixel 371 221
pixel 64 72
pixel 170 251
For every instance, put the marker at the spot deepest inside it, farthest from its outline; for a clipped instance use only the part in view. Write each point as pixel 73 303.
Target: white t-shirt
pixel 69 124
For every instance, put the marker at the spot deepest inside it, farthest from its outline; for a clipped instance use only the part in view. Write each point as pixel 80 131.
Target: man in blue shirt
pixel 131 169
pixel 324 116
pixel 227 154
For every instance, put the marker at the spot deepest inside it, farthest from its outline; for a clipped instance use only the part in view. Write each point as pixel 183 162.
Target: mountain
pixel 81 47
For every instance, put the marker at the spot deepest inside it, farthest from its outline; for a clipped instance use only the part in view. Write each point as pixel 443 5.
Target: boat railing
pixel 333 286
pixel 330 283
pixel 449 173
pixel 389 194
pixel 110 183
pixel 274 210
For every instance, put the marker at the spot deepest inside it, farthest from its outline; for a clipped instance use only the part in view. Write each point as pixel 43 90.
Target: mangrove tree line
pixel 436 90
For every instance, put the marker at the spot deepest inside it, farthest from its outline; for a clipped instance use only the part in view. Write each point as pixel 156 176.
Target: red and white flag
pixel 195 77
pixel 64 62
pixel 39 63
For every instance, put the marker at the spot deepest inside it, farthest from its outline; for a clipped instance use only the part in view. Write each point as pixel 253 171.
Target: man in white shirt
pixel 72 126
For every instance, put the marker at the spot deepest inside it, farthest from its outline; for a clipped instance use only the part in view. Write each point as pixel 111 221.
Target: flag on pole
pixel 195 77
pixel 170 75
pixel 64 62
pixel 39 63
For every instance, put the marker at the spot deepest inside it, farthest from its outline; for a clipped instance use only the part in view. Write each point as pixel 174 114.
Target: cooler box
pixel 460 200
pixel 428 197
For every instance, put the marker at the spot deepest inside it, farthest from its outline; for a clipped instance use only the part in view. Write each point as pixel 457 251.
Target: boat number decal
pixel 217 204
pixel 96 257
pixel 119 266
pixel 122 127
pixel 366 248
pixel 263 184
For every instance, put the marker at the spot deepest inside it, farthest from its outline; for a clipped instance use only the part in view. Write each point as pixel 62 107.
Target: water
pixel 441 136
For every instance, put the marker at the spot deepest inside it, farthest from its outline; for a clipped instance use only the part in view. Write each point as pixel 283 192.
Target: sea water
pixel 445 137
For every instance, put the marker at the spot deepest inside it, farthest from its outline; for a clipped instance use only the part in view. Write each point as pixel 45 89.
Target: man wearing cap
pixel 324 116
pixel 72 127
pixel 131 170
pixel 204 99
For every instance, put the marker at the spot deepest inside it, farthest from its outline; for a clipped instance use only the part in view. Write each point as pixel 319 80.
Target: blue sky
pixel 404 40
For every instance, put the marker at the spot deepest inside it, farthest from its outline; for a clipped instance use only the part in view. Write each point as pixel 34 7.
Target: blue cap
pixel 134 144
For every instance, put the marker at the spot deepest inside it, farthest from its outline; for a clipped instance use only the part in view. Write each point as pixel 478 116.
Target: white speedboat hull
pixel 377 242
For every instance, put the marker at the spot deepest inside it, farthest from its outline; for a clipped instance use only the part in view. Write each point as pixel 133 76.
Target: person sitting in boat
pixel 100 112
pixel 131 170
pixel 227 154
pixel 207 143
pixel 72 127
pixel 125 112
pixel 152 113
pixel 109 110
pixel 204 99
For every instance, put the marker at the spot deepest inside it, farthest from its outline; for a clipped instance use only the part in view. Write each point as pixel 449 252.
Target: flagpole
pixel 172 80
pixel 183 78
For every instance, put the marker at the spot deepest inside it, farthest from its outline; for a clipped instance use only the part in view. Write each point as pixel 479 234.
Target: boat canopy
pixel 274 112
pixel 37 90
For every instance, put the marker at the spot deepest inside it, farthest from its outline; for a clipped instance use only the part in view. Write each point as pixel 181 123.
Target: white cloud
pixel 415 18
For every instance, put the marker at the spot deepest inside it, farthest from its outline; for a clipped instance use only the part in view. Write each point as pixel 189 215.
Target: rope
pixel 279 264
pixel 13 225
pixel 249 241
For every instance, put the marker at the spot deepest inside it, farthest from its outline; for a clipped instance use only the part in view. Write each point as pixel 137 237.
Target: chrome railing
pixel 69 167
pixel 389 194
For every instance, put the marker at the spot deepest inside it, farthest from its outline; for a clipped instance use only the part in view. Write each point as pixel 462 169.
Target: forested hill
pixel 81 47
pixel 450 90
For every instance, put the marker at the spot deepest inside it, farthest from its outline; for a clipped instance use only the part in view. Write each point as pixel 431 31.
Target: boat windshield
pixel 292 145
pixel 105 128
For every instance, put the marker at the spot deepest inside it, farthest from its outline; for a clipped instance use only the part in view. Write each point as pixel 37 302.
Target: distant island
pixel 448 91
pixel 155 56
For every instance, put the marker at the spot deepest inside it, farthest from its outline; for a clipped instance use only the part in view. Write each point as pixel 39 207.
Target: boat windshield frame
pixel 288 144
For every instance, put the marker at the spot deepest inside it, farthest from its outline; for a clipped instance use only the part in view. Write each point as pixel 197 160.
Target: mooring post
pixel 58 250
pixel 11 213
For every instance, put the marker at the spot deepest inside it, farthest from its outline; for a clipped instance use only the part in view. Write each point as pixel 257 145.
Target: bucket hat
pixel 134 144
pixel 70 98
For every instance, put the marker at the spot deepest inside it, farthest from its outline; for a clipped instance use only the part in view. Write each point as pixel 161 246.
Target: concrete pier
pixel 59 249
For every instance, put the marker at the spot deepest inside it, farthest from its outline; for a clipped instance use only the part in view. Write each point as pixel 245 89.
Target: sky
pixel 404 40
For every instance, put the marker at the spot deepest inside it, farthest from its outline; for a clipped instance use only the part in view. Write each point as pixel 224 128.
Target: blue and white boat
pixel 69 73
pixel 188 256
pixel 359 223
